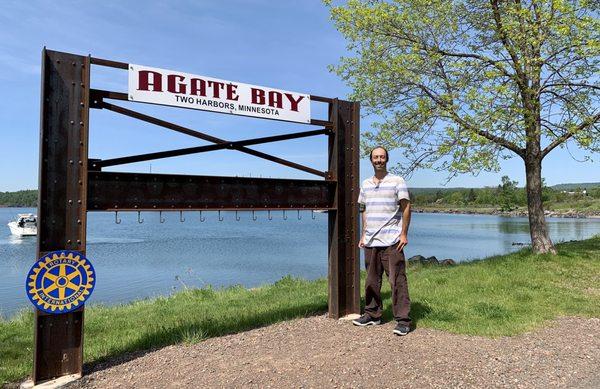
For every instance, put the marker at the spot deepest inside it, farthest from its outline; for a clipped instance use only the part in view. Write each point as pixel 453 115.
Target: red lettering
pixel 231 92
pixel 144 80
pixel 257 96
pixel 275 99
pixel 198 87
pixel 216 87
pixel 173 86
pixel 293 102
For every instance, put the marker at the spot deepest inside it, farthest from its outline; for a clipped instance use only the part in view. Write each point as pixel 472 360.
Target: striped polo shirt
pixel 382 207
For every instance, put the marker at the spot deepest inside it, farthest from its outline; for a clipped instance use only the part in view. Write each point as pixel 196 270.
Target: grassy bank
pixel 504 295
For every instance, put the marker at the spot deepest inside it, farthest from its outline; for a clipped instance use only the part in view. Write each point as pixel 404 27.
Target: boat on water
pixel 24 225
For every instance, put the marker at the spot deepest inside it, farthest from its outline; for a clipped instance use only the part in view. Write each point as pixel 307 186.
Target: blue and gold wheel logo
pixel 60 281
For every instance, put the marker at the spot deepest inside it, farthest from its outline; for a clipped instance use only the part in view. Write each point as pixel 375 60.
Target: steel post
pixel 58 339
pixel 344 269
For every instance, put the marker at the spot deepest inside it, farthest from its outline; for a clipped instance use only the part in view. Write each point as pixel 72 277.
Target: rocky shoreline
pixel 516 213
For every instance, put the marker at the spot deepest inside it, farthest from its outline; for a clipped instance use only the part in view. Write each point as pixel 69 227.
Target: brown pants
pixel 390 260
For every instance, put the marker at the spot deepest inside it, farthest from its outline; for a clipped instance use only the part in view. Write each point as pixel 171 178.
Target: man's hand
pixel 403 242
pixel 361 242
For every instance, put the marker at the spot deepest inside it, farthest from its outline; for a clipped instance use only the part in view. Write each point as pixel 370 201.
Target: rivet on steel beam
pixel 74 64
pixel 69 241
pixel 81 123
pixel 71 161
pixel 80 182
pixel 78 241
pixel 70 201
pixel 78 201
pixel 78 221
pixel 58 61
pixel 81 163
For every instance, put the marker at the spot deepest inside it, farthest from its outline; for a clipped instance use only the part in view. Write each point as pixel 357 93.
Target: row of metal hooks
pixel 202 218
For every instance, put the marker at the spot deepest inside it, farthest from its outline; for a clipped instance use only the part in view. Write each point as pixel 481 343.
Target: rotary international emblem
pixel 60 281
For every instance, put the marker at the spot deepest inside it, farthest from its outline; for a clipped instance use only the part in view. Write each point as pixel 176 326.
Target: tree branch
pixel 454 116
pixel 591 121
pixel 521 79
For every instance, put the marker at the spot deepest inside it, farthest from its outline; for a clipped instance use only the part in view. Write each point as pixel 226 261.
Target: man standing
pixel 385 206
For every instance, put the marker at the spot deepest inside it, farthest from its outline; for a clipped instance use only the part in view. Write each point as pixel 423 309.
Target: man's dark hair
pixel 387 156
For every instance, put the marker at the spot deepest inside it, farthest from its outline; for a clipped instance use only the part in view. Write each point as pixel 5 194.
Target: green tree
pixel 461 84
pixel 508 194
pixel 471 197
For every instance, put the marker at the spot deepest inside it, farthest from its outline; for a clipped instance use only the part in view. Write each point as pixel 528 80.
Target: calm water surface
pixel 135 260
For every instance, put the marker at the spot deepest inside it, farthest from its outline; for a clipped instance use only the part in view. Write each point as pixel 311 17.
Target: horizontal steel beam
pixel 110 191
pixel 99 164
pixel 200 135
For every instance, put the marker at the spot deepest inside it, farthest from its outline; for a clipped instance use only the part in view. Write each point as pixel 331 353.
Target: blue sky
pixel 281 44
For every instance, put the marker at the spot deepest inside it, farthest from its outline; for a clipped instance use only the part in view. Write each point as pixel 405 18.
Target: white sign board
pixel 168 87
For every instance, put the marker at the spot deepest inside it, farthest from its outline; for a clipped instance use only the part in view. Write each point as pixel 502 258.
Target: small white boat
pixel 24 225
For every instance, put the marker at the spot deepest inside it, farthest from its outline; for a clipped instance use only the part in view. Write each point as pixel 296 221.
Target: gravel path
pixel 320 352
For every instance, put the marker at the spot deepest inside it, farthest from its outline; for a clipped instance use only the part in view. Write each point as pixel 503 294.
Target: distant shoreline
pixel 516 213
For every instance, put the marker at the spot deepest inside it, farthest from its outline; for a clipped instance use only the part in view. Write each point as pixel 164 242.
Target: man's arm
pixel 405 207
pixel 361 209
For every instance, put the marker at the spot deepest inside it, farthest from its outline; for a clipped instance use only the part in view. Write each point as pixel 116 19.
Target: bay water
pixel 140 260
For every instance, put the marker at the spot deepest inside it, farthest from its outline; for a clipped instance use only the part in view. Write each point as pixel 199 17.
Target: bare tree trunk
pixel 540 241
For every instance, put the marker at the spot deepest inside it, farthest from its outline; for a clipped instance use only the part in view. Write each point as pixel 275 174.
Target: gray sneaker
pixel 401 329
pixel 366 320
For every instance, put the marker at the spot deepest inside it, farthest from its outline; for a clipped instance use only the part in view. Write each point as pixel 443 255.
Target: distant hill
pixel 558 187
pixel 588 185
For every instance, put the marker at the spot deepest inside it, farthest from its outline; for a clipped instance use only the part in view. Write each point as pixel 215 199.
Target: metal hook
pixel 160 218
pixel 254 216
pixel 181 218
pixel 237 218
pixel 269 215
pixel 117 221
pixel 202 218
pixel 220 218
pixel 284 215
pixel 299 217
pixel 140 220
pixel 312 211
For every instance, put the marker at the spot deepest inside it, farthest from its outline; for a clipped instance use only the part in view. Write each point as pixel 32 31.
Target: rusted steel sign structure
pixel 72 184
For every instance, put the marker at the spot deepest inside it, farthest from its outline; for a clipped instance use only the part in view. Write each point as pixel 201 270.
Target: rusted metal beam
pixel 109 63
pixel 200 135
pixel 344 270
pixel 62 201
pixel 99 164
pixel 109 191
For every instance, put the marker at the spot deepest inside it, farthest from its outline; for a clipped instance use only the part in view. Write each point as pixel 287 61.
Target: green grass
pixel 504 295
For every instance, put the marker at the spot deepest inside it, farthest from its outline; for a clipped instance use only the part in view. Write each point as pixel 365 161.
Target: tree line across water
pixel 22 198
pixel 507 196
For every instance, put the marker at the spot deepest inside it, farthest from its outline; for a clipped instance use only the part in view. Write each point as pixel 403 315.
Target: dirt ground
pixel 319 352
